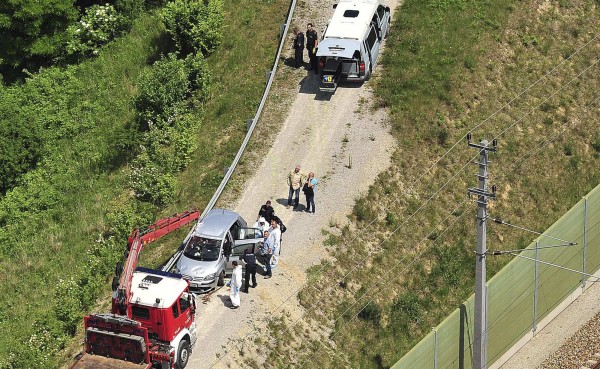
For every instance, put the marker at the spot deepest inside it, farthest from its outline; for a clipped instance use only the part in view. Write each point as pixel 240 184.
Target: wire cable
pixel 437 162
pixel 364 306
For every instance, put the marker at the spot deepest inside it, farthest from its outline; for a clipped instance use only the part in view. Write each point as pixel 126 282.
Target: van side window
pixel 372 38
pixel 351 13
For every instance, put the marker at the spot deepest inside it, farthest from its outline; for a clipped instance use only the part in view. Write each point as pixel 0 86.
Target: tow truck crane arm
pixel 135 244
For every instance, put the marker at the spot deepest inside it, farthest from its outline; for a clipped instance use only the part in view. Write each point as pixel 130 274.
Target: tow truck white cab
pixel 351 42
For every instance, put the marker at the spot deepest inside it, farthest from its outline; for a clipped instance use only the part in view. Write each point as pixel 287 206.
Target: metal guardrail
pixel 285 28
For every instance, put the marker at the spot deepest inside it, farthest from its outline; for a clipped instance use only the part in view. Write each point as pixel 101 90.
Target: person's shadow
pixel 225 300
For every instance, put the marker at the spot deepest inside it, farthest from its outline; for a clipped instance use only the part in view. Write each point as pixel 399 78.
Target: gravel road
pixel 347 146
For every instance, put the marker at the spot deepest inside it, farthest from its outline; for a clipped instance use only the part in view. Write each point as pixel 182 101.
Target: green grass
pixel 88 174
pixel 449 65
pixel 52 243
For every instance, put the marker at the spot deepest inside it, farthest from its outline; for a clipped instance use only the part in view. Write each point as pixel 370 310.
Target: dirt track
pixel 324 134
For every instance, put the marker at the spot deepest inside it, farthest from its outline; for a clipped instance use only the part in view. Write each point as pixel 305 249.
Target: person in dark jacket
pixel 266 211
pixel 298 47
pixel 311 46
pixel 250 259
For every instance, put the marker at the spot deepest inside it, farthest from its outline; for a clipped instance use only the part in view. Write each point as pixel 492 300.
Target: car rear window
pixel 351 13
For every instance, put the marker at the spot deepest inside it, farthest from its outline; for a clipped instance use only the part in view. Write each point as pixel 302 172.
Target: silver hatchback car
pixel 218 239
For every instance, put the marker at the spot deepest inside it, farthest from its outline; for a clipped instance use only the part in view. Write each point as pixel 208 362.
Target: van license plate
pixel 328 79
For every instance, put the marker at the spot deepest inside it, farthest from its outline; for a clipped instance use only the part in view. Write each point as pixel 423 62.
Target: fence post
pixel 535 287
pixel 435 349
pixel 585 226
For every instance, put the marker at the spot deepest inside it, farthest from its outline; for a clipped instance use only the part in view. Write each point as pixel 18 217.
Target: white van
pixel 351 42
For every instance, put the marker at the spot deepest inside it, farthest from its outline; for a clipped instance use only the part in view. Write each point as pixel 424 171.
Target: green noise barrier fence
pixel 523 296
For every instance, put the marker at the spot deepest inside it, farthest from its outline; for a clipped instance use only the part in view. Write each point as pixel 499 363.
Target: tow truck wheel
pixel 183 354
pixel 221 281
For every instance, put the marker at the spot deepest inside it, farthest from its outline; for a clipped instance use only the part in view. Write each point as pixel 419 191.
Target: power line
pixel 504 222
pixel 435 164
pixel 371 300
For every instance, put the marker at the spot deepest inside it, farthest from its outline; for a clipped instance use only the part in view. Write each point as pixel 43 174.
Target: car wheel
pixel 221 281
pixel 183 354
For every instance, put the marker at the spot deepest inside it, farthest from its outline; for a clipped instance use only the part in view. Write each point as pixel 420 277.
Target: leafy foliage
pixel 166 92
pixel 32 32
pixel 99 25
pixel 195 25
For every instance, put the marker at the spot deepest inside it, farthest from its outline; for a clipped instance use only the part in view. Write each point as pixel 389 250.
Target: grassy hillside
pixel 53 225
pixel 452 67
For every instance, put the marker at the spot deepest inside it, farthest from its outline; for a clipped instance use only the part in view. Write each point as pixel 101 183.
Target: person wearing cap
pixel 295 180
pixel 266 211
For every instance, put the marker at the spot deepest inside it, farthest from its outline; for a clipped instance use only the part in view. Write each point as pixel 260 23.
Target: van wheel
pixel 368 76
pixel 183 354
pixel 221 281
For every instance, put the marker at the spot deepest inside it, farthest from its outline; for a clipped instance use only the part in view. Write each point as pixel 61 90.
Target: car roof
pixel 351 27
pixel 216 223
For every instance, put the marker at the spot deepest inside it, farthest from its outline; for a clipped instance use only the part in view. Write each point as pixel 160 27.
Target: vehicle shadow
pixel 310 85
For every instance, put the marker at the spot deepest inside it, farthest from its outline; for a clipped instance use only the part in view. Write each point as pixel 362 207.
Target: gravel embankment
pixel 568 341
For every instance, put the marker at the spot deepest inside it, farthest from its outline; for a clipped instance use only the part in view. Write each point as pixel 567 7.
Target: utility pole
pixel 480 318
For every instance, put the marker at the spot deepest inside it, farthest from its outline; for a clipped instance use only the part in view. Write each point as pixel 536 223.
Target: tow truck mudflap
pixel 330 75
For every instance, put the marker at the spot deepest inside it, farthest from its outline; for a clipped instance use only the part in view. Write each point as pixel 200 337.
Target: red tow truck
pixel 151 324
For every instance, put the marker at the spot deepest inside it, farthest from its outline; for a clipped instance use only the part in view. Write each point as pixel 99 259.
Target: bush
pixel 195 25
pixel 99 25
pixel 162 89
pixel 32 32
pixel 129 9
pixel 371 313
pixel 150 182
pixel 20 142
pixel 166 91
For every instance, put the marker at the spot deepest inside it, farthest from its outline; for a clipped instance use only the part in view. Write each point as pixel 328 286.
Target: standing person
pixel 250 261
pixel 266 211
pixel 312 41
pixel 275 234
pixel 266 252
pixel 261 225
pixel 236 284
pixel 295 180
pixel 309 190
pixel 298 47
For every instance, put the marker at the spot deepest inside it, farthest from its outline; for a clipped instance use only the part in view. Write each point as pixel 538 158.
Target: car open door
pixel 239 248
pixel 246 233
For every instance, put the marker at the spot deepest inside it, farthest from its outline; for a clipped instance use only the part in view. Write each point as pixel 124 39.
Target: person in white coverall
pixel 236 285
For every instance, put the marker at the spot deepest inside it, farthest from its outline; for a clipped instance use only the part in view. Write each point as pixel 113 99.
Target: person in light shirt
pixel 275 236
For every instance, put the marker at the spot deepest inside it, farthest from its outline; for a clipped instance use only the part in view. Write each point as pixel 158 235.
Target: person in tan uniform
pixel 295 180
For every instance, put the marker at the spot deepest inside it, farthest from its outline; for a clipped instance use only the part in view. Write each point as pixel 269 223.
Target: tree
pixel 32 32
